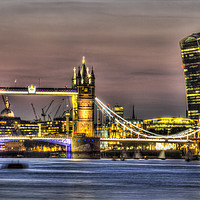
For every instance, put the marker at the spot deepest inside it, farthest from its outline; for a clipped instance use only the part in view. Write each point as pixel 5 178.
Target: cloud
pixel 151 73
pixel 133 46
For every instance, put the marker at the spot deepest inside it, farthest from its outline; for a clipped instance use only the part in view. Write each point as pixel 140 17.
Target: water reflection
pixel 101 179
pixel 69 156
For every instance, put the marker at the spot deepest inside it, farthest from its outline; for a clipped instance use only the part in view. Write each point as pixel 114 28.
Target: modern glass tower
pixel 190 52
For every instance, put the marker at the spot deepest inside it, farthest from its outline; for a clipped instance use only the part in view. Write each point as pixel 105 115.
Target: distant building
pixel 57 127
pixel 14 126
pixel 166 126
pixel 190 53
pixel 7 112
pixel 119 110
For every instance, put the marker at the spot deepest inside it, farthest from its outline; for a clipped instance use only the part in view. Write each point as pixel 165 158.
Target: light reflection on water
pixel 101 179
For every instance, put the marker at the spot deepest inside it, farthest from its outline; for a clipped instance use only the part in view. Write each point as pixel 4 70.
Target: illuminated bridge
pixel 61 140
pixel 83 99
pixel 68 141
pixel 141 134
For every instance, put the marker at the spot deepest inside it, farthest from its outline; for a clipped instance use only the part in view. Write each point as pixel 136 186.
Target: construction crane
pixel 49 117
pixel 44 113
pixel 34 112
pixel 58 108
pixel 4 101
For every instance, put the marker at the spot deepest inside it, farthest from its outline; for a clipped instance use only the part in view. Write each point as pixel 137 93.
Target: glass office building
pixel 190 53
pixel 167 126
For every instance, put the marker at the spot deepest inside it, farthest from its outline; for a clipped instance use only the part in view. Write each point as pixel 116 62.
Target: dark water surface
pixel 101 179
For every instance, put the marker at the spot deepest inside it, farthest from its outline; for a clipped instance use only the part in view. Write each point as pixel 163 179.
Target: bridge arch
pixel 60 141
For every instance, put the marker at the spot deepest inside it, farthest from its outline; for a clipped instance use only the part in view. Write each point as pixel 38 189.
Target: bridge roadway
pixel 146 140
pixel 59 140
pixel 32 90
pixel 68 141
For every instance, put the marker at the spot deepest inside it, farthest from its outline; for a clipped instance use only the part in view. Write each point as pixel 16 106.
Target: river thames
pixel 101 179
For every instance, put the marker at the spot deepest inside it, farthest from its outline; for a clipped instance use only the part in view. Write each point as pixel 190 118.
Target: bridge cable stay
pixel 133 128
pixel 119 123
pixel 178 135
pixel 124 122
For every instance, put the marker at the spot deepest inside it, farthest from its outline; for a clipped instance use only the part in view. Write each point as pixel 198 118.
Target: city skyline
pixel 132 45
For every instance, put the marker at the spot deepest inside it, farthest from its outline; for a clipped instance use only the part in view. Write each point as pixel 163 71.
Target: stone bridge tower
pixel 84 82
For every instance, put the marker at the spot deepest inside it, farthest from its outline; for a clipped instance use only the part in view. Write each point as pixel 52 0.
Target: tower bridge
pixel 83 101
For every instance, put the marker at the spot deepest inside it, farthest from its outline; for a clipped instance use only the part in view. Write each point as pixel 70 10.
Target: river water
pixel 101 179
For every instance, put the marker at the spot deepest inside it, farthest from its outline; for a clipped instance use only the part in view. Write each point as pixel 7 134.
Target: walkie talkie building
pixel 190 52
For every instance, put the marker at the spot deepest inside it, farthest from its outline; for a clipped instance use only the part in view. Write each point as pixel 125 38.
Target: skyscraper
pixel 190 52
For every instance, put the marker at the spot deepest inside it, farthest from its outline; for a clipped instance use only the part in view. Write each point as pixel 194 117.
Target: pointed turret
pixel 74 79
pixel 74 73
pixel 83 60
pixel 83 77
pixel 84 73
pixel 79 72
pixel 83 69
pixel 78 77
pixel 88 74
pixel 92 73
pixel 92 77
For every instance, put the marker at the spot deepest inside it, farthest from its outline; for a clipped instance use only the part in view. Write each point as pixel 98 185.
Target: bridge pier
pixel 85 147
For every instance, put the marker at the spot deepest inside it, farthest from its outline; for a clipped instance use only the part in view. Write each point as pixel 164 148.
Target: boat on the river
pixel 15 165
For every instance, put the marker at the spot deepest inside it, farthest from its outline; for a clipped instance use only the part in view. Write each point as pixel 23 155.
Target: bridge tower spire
pixel 84 143
pixel 74 79
pixel 85 84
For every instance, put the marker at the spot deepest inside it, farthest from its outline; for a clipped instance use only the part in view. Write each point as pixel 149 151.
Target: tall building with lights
pixel 190 52
pixel 119 110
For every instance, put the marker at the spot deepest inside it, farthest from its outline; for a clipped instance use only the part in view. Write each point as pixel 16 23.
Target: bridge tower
pixel 84 82
pixel 84 144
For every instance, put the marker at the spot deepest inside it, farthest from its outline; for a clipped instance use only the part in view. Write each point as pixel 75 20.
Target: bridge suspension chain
pixel 140 131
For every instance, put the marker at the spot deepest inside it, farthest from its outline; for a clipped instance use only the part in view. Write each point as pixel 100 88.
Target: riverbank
pixel 145 154
pixel 29 154
pixel 148 154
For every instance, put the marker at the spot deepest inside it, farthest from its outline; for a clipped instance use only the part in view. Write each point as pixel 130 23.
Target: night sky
pixel 133 46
